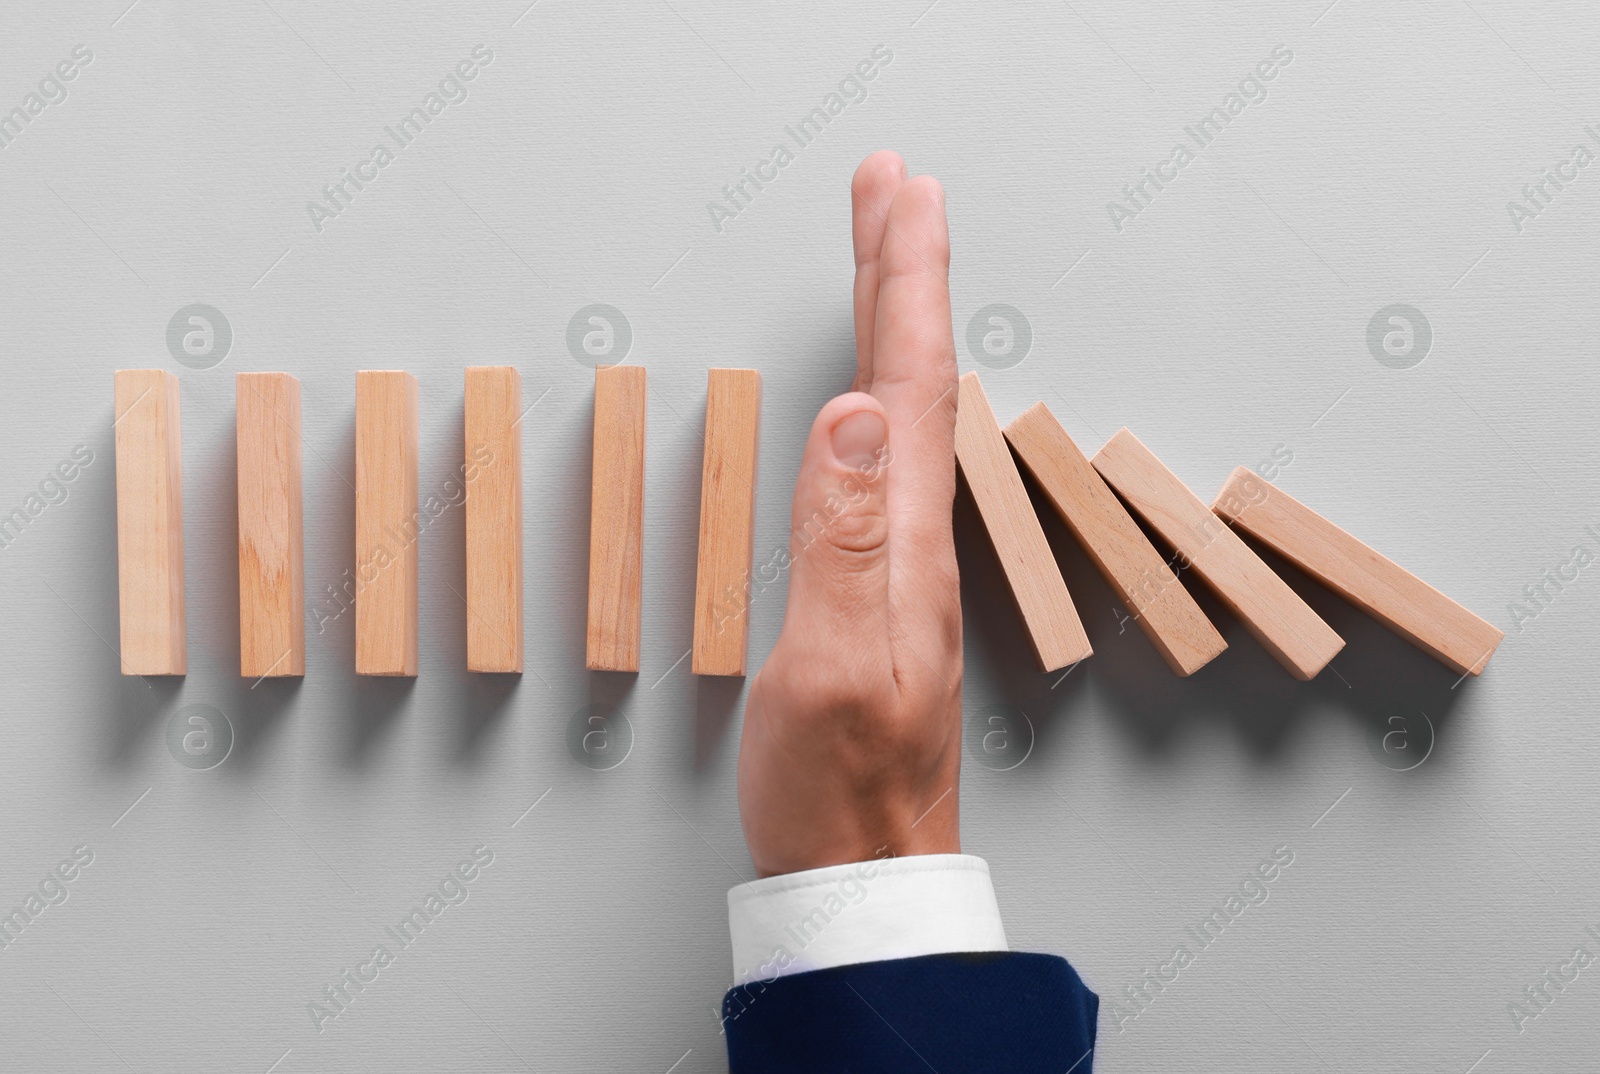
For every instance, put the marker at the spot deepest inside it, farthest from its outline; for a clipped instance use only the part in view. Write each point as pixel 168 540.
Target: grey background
pixel 1229 320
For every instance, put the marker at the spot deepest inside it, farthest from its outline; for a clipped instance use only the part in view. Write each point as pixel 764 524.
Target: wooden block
pixel 386 522
pixel 727 521
pixel 1271 611
pixel 272 578
pixel 1029 565
pixel 149 523
pixel 1163 608
pixel 493 475
pixel 1378 586
pixel 616 518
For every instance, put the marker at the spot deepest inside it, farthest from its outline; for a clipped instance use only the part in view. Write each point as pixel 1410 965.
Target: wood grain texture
pixel 1378 586
pixel 149 451
pixel 1272 612
pixel 1162 607
pixel 386 522
pixel 492 473
pixel 727 521
pixel 1030 567
pixel 616 518
pixel 272 579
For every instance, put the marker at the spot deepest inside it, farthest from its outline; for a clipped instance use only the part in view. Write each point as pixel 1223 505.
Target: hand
pixel 852 731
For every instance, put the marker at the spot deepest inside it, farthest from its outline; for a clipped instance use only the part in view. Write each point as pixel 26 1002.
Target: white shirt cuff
pixel 927 904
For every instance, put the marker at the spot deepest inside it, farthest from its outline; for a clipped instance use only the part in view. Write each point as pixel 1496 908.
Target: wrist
pixel 797 853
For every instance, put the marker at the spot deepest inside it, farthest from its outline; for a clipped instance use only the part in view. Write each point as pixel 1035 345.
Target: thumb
pixel 839 528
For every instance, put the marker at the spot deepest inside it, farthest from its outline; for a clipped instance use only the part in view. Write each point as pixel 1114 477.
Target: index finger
pixel 872 191
pixel 914 364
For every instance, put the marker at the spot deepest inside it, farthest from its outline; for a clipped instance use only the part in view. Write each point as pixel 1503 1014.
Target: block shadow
pixel 997 642
pixel 478 700
pixel 1376 676
pixel 482 700
pixel 369 706
pixel 254 708
pixel 253 705
pixel 366 705
pixel 133 706
pixel 716 698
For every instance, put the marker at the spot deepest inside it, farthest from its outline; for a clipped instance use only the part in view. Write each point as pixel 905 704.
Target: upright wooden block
pixel 1378 586
pixel 386 522
pixel 616 517
pixel 1025 556
pixel 149 523
pixel 1163 608
pixel 493 474
pixel 1271 611
pixel 272 579
pixel 727 521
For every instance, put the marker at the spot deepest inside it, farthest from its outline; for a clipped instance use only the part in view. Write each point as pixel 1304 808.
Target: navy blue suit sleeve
pixel 996 1011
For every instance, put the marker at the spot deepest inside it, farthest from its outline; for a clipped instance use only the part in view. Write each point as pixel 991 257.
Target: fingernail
pixel 858 439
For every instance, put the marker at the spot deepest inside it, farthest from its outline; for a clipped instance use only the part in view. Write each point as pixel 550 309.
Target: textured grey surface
pixel 1226 322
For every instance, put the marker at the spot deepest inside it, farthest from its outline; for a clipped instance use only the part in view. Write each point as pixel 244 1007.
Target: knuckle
pixel 854 703
pixel 857 529
pixel 861 531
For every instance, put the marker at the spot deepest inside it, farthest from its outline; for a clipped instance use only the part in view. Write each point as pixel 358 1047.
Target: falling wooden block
pixel 386 522
pixel 1378 586
pixel 1025 556
pixel 493 477
pixel 616 518
pixel 149 523
pixel 272 580
pixel 1163 608
pixel 727 521
pixel 1271 611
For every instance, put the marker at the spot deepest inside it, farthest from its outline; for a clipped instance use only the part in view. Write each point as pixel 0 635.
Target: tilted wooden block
pixel 386 522
pixel 1162 607
pixel 1272 612
pixel 1030 567
pixel 272 580
pixel 149 522
pixel 616 518
pixel 1378 586
pixel 492 473
pixel 727 521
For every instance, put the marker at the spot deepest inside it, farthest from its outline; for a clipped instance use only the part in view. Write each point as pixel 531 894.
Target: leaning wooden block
pixel 1378 586
pixel 386 523
pixel 149 523
pixel 616 518
pixel 1030 567
pixel 1272 612
pixel 272 580
pixel 1163 608
pixel 727 521
pixel 493 476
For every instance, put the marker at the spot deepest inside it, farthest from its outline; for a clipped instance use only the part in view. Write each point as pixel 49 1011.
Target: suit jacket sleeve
pixel 991 1011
